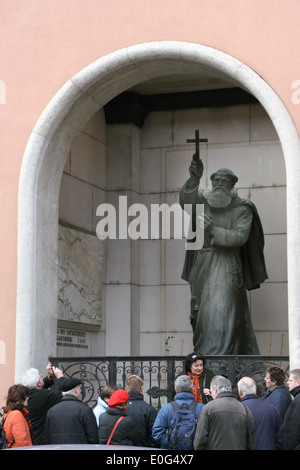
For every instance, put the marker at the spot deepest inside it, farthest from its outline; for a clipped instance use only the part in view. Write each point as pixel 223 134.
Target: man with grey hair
pixel 184 396
pixel 224 423
pixel 44 393
pixel 183 384
pixel 267 422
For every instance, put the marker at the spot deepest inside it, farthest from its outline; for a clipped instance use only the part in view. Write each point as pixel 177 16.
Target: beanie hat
pixel 118 397
pixel 65 384
pixel 225 172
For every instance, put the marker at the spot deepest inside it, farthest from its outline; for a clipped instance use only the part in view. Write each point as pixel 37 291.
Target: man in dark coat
pixel 224 423
pixel 277 393
pixel 126 432
pixel 143 414
pixel 291 425
pixel 267 422
pixel 44 393
pixel 71 421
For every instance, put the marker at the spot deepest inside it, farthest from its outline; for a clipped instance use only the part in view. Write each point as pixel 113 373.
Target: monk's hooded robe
pixel 220 273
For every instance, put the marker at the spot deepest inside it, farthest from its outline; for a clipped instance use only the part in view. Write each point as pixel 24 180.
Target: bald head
pixel 246 386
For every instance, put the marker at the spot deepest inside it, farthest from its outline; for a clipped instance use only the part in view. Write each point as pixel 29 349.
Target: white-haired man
pixel 267 421
pixel 44 393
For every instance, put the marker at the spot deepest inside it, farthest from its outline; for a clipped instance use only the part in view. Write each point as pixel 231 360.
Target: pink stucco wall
pixel 43 44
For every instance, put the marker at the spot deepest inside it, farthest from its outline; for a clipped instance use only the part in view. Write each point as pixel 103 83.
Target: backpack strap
pixel 175 405
pixel 192 406
pixel 113 430
pixel 2 423
pixel 4 419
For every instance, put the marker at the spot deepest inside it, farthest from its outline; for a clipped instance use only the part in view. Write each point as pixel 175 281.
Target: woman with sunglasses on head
pixel 194 367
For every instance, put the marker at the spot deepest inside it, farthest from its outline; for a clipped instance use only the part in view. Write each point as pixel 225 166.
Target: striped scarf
pixel 196 388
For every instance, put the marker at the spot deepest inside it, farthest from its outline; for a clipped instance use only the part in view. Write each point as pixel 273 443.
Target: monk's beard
pixel 218 198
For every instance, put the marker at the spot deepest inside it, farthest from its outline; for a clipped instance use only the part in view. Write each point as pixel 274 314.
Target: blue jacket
pixel 267 423
pixel 280 397
pixel 100 408
pixel 164 418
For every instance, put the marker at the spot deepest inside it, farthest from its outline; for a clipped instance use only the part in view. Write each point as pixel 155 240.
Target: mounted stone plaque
pixel 80 275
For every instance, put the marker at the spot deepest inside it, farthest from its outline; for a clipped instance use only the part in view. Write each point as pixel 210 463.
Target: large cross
pixel 197 141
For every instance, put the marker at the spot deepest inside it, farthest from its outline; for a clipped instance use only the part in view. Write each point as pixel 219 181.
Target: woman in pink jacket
pixel 16 425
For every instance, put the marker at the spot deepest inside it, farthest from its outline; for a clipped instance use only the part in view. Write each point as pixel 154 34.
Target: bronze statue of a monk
pixel 230 262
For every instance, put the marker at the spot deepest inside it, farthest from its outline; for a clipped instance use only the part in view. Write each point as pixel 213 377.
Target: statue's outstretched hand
pixel 196 169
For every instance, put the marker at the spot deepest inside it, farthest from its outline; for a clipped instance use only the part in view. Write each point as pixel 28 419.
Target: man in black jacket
pixel 143 414
pixel 71 421
pixel 291 424
pixel 44 393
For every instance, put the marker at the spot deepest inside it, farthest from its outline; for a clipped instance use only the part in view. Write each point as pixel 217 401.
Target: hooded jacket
pixel 126 432
pixel 165 415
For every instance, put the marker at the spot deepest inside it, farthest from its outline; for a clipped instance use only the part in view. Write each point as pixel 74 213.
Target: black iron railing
pixel 159 372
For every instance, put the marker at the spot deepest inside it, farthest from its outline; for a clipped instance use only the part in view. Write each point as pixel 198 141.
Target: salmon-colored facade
pixel 44 44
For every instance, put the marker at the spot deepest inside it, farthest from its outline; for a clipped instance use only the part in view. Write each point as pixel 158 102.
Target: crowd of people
pixel 50 411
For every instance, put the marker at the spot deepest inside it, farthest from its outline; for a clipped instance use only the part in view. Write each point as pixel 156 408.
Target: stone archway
pixel 45 157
